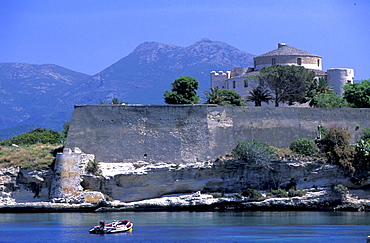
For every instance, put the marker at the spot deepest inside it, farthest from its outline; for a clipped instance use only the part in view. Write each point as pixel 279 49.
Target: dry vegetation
pixel 37 156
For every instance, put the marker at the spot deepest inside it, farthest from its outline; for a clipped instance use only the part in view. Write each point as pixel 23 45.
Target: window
pixel 233 84
pixel 318 62
pixel 299 61
pixel 245 83
pixel 273 61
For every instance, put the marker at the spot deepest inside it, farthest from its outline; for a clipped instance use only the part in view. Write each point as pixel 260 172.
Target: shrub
pixel 108 198
pixel 365 133
pixel 251 193
pixel 93 167
pixel 362 157
pixel 254 152
pixel 341 189
pixel 279 192
pixel 215 195
pixel 338 150
pixel 64 132
pixel 304 146
pixel 297 193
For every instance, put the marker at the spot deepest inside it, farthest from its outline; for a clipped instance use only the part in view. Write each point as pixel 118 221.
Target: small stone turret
pixel 338 77
pixel 218 78
pixel 66 186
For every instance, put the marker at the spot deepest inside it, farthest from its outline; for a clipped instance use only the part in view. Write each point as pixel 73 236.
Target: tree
pixel 318 86
pixel 231 98
pixel 64 132
pixel 222 97
pixel 259 95
pixel 213 96
pixel 358 94
pixel 287 83
pixel 327 100
pixel 116 101
pixel 184 91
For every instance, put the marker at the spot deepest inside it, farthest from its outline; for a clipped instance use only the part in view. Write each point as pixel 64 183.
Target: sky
pixel 90 35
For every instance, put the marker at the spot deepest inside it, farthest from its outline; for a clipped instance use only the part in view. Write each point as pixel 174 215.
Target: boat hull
pixel 113 228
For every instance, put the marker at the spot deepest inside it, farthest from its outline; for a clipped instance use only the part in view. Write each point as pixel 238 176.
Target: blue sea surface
pixel 190 227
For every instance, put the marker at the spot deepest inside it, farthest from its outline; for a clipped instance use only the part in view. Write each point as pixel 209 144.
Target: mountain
pixel 143 75
pixel 37 94
pixel 44 95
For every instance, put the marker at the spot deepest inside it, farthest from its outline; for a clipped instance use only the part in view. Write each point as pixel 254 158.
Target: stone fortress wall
pixel 191 133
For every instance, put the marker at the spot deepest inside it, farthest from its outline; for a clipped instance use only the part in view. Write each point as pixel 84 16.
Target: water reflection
pixel 190 226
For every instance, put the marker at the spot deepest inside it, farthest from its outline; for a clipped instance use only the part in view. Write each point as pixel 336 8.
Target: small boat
pixel 117 226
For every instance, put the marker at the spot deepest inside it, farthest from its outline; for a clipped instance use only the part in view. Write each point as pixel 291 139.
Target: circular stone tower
pixel 338 77
pixel 288 55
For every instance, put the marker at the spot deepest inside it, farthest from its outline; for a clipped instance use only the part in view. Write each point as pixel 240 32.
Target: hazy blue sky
pixel 90 35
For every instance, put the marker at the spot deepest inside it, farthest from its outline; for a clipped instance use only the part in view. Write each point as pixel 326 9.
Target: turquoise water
pixel 190 227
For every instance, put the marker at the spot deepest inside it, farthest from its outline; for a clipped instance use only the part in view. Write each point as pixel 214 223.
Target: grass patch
pixel 36 156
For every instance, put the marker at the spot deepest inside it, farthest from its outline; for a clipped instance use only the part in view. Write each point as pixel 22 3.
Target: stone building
pixel 236 79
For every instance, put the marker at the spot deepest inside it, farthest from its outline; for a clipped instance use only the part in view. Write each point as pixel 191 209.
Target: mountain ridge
pixel 44 95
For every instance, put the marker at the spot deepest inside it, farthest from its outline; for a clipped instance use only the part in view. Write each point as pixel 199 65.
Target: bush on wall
pixel 255 152
pixel 337 148
pixel 362 158
pixel 304 146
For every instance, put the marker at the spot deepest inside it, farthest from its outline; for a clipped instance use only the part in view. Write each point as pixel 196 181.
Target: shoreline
pixel 316 201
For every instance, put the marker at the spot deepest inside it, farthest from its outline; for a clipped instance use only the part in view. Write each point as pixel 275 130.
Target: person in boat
pixel 102 224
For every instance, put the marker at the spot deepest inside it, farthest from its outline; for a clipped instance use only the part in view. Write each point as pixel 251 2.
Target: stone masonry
pixel 191 133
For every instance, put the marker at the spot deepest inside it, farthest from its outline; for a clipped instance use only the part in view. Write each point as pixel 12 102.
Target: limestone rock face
pixel 137 181
pixel 72 182
pixel 24 185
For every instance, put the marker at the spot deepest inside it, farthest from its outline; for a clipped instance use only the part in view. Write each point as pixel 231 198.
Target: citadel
pixel 237 78
pixel 170 157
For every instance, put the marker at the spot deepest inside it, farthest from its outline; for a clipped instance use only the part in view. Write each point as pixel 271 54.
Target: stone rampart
pixel 190 133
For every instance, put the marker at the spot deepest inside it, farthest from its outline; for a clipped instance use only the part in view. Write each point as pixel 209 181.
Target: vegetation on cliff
pixel 304 146
pixel 332 148
pixel 254 152
pixel 35 149
pixel 36 156
pixel 38 135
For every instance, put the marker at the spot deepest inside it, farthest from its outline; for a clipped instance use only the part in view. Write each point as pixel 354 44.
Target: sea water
pixel 189 227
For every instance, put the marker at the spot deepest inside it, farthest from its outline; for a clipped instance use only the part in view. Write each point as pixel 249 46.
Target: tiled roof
pixel 318 72
pixel 286 50
pixel 247 74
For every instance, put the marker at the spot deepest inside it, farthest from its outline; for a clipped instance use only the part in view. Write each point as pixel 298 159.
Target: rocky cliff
pixel 140 185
